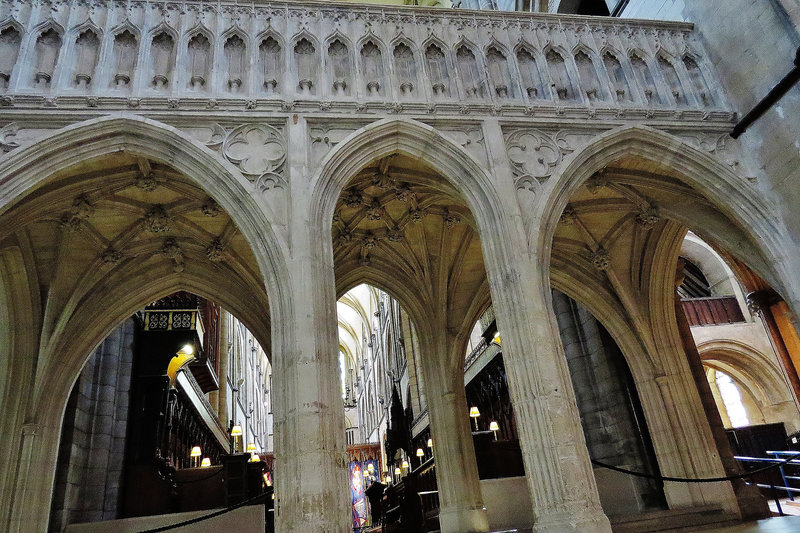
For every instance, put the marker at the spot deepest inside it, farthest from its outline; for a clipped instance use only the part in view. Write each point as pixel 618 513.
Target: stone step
pixel 673 520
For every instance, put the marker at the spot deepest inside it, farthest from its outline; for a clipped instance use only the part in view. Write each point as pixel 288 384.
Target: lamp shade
pixel 388 479
pixel 236 431
pixel 397 472
pixel 405 464
pixel 473 412
pixel 196 452
pixel 430 443
pixel 206 462
pixel 420 453
pixel 493 425
pixel 251 447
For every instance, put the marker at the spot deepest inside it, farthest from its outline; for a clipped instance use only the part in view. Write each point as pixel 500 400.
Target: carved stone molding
pixel 533 155
pixel 7 132
pixel 258 150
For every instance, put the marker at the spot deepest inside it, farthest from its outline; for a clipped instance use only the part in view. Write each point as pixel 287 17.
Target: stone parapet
pixel 329 57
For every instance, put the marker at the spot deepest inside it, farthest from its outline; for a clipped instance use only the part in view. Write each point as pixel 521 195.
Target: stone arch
pixel 761 235
pixel 26 170
pixel 414 139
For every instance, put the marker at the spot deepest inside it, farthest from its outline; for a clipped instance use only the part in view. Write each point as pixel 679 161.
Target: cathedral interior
pixel 399 266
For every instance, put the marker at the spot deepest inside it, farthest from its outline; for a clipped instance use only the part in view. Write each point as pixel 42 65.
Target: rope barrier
pixel 218 472
pixel 697 480
pixel 207 516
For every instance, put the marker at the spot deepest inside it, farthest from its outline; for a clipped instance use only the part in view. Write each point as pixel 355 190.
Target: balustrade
pixel 328 55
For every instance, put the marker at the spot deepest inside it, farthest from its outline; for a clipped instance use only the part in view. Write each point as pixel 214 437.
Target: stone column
pixel 310 449
pixel 557 466
pixel 751 504
pixel 460 500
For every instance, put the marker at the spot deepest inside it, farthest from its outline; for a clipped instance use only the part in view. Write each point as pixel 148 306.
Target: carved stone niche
pixel 48 44
pixel 306 61
pixel 236 57
pixel 10 39
pixel 499 73
pixel 199 49
pixel 269 55
pixel 438 72
pixel 372 66
pixel 405 68
pixel 339 58
pixel 87 49
pixel 125 52
pixel 162 52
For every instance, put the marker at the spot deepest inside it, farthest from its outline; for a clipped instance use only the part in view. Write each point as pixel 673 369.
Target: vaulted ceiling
pixel 400 226
pixel 126 218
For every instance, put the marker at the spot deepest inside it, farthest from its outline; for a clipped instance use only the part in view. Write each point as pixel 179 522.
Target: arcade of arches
pixel 436 292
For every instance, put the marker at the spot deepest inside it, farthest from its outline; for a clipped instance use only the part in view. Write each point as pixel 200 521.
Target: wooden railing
pixel 712 311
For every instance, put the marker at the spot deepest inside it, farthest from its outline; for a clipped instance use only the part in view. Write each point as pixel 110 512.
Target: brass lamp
pixel 236 433
pixel 195 453
pixel 494 426
pixel 474 414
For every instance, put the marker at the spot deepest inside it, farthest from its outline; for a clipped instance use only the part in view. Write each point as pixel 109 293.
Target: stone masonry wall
pixel 93 437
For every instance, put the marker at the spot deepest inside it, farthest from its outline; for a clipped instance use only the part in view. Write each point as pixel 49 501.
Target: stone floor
pixel 778 524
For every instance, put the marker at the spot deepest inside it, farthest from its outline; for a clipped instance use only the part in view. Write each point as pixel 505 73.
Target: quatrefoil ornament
pixel 257 149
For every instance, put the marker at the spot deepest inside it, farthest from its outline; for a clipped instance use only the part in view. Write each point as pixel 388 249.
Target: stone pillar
pixel 557 466
pixel 460 500
pixel 310 448
pixel 751 504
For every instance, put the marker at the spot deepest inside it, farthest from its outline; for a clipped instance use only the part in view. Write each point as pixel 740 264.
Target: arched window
pixel 732 399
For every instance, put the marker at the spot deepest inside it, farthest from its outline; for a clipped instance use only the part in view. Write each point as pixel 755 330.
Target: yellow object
pixel 196 452
pixel 420 453
pixel 430 443
pixel 474 413
pixel 251 447
pixel 236 431
pixel 179 362
pixel 405 464
pixel 206 462
pixel 494 426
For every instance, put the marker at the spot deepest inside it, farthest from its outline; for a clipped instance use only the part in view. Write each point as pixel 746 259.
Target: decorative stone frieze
pixel 159 53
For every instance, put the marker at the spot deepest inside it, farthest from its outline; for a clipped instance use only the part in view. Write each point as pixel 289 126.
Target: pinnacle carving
pixel 156 220
pixel 369 240
pixel 451 219
pixel 215 251
pixel 81 210
pixel 172 250
pixel 375 210
pixel 111 257
pixel 211 208
pixel 648 217
pixel 352 198
pixel 568 217
pixel 395 234
pixel 600 259
pixel 416 215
